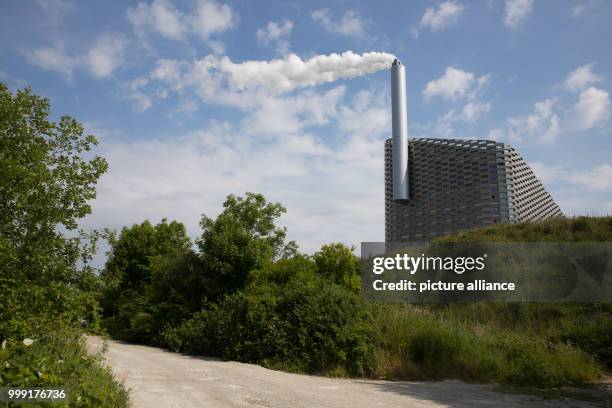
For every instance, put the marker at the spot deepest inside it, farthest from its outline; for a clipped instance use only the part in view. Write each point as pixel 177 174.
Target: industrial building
pixel 434 187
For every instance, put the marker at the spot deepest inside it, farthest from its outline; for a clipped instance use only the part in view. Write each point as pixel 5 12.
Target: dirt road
pixel 161 379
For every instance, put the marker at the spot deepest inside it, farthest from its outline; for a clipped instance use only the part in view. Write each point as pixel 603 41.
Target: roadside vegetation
pixel 244 293
pixel 47 289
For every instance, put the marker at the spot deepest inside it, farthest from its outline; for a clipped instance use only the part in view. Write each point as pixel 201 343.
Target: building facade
pixel 457 185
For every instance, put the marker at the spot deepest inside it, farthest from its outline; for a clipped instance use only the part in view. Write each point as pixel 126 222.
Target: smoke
pixel 219 80
pixel 291 72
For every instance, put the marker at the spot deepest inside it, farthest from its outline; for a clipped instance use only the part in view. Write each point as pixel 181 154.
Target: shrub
pixel 58 359
pixel 338 263
pixel 592 337
pixel 305 325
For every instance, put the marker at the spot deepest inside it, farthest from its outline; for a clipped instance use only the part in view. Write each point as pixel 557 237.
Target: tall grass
pixel 543 345
pixel 559 229
pixel 420 343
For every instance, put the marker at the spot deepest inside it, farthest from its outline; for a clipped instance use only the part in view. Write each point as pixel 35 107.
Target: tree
pixel 47 179
pixel 242 238
pixel 338 263
pixel 132 253
pixel 128 276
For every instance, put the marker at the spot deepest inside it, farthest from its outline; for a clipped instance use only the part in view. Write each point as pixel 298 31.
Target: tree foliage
pixel 47 178
pixel 136 249
pixel 139 274
pixel 242 238
pixel 338 263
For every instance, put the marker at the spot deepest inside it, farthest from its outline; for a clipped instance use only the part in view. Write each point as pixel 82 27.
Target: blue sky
pixel 186 116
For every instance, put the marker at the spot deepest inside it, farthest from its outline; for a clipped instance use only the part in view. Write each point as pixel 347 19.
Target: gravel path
pixel 161 379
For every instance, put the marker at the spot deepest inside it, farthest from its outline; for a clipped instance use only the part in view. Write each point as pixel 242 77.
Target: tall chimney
pixel 400 131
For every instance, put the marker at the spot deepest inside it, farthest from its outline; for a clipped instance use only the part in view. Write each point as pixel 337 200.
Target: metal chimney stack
pixel 400 131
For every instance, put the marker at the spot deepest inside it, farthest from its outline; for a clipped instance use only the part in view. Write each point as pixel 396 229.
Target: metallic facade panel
pixel 462 184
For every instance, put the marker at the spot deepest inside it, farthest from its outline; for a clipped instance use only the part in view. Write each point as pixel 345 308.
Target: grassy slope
pixel 545 345
pixel 580 229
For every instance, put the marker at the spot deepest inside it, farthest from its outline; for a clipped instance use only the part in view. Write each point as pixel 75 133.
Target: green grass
pixel 423 343
pixel 537 345
pixel 560 229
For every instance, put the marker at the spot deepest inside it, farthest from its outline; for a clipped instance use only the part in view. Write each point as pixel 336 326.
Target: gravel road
pixel 161 379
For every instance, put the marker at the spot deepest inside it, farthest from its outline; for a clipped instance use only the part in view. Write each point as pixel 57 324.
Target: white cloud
pixel 471 111
pixel 212 18
pixel 102 58
pixel 474 110
pixel 292 113
pixel 144 180
pixel 579 191
pixel 446 15
pixel 517 11
pixel 160 16
pixel 54 59
pixel 598 178
pixel 217 47
pixel 169 71
pixel 581 78
pixel 592 110
pixel 55 10
pixel 106 55
pixel 540 127
pixel 455 84
pixel 583 6
pixel 578 10
pixel 276 33
pixel 206 18
pixel 134 92
pixel 368 115
pixel 351 23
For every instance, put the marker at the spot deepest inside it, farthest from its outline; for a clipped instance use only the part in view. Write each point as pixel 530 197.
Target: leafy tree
pixel 242 238
pixel 135 249
pixel 283 271
pixel 338 263
pixel 129 300
pixel 47 179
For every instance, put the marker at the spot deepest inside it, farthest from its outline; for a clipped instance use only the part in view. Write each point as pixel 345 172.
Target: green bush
pixel 593 337
pixel 307 325
pixel 339 264
pixel 57 359
pixel 537 363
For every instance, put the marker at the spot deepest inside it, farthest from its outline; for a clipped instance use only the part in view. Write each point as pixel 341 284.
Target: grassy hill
pixel 535 344
pixel 580 229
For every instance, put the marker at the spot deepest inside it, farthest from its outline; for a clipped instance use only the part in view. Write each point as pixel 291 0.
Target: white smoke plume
pixel 219 80
pixel 213 74
pixel 291 72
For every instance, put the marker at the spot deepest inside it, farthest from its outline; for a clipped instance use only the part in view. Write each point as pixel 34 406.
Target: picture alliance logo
pixel 413 264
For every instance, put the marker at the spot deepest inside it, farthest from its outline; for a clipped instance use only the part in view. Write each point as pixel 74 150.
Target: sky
pixel 197 99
